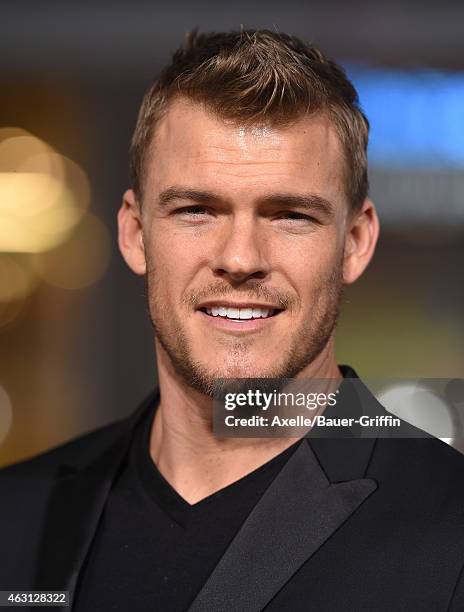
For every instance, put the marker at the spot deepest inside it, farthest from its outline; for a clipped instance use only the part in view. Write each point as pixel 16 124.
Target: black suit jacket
pixel 348 524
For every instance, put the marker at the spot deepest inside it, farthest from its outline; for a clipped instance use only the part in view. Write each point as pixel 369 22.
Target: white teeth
pixel 246 313
pixel 239 313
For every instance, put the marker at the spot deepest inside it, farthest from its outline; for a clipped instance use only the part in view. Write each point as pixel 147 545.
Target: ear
pixel 360 241
pixel 130 235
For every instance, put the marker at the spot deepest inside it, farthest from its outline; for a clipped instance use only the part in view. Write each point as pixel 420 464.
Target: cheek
pixel 314 274
pixel 311 259
pixel 172 260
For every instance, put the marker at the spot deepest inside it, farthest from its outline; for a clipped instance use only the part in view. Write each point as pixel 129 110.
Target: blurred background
pixel 76 346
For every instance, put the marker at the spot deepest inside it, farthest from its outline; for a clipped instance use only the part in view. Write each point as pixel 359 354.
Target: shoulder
pixel 422 452
pixel 78 451
pixel 25 489
pixel 426 471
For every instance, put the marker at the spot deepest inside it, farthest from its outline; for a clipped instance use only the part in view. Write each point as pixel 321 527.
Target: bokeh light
pixel 17 278
pixel 43 195
pixel 420 407
pixel 46 230
pixel 82 260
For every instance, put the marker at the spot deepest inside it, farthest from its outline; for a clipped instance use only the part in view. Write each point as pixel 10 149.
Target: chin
pixel 241 371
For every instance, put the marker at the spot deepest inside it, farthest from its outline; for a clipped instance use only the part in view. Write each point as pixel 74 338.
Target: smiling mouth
pixel 240 314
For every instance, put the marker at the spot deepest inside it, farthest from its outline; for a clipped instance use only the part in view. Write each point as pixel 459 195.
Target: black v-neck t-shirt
pixel 153 551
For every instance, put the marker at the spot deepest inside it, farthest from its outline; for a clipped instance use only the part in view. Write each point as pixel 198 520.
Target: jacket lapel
pixel 296 515
pixel 75 506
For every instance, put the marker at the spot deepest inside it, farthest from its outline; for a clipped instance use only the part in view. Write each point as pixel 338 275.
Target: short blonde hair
pixel 256 77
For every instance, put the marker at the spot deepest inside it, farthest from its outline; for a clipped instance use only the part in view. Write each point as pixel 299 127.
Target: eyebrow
pixel 310 202
pixel 178 193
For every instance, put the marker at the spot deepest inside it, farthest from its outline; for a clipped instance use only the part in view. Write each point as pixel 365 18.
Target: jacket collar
pixel 345 458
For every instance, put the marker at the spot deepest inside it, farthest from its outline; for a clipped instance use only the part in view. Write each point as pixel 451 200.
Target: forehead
pixel 195 146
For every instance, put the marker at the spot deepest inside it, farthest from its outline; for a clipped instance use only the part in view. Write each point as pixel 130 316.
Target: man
pixel 247 215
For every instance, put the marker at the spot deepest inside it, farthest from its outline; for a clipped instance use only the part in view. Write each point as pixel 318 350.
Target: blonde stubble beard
pixel 308 342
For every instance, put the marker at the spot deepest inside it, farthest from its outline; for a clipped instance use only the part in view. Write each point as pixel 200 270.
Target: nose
pixel 240 251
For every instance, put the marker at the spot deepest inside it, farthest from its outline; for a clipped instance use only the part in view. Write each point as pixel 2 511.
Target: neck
pixel 182 444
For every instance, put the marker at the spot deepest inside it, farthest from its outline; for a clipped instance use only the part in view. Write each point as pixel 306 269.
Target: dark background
pixel 76 347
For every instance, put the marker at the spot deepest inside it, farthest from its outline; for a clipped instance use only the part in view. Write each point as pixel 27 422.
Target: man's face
pixel 236 219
